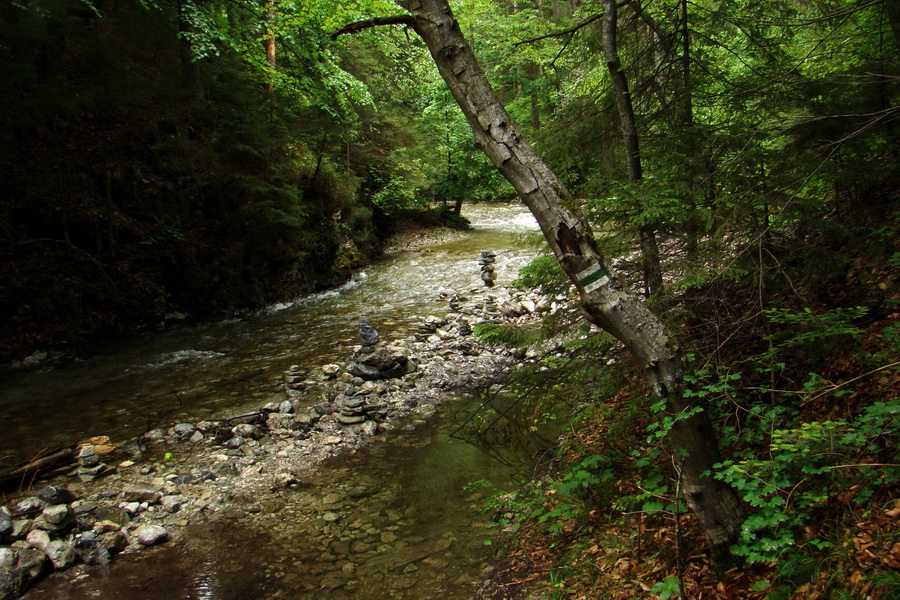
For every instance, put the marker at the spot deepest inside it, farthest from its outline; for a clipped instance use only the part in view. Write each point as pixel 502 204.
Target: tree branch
pixel 369 23
pixel 581 25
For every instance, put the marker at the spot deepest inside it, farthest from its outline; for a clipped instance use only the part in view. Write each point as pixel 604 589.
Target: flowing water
pixel 197 372
pixel 406 527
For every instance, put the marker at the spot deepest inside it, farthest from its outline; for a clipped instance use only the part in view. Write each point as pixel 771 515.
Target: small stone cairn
pixel 488 258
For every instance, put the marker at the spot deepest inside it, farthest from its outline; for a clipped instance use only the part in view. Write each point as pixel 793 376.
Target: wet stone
pixel 351 420
pixel 53 494
pixel 150 535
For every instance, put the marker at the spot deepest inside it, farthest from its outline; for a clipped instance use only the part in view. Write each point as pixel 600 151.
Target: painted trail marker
pixel 593 277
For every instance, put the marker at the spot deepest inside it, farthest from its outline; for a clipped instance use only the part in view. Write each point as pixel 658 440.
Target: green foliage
pixel 668 588
pixel 812 335
pixel 808 465
pixel 543 273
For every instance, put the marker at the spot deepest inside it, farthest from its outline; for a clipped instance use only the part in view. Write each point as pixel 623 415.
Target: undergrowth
pixel 806 406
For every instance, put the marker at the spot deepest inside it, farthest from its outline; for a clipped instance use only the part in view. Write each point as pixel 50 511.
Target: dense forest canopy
pixel 199 157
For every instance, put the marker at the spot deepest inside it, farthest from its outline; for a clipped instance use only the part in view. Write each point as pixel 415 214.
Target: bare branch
pixel 568 31
pixel 369 23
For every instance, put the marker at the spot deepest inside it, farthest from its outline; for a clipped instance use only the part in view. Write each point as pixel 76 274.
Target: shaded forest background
pixel 171 158
pixel 150 171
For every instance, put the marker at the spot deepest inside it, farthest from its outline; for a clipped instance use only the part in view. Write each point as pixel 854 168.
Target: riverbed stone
pixel 113 515
pixel 184 430
pixel 61 553
pixel 351 420
pixel 331 370
pixel 7 559
pixel 150 535
pixel 234 443
pixel 29 506
pixel 89 474
pixel 90 550
pixel 6 522
pixel 20 528
pixel 114 541
pixel 172 503
pixel 247 430
pixel 280 420
pixel 38 538
pixel 55 518
pixel 26 568
pixel 363 371
pixel 142 493
pixel 53 494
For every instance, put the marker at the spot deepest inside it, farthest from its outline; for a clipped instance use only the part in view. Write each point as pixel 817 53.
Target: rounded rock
pixel 150 535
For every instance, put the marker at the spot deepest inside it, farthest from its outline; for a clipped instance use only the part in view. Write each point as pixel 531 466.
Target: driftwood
pixel 25 474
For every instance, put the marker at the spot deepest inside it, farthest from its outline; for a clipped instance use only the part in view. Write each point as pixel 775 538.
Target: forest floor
pixel 606 551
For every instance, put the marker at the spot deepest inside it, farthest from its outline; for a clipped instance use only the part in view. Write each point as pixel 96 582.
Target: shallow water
pixel 401 523
pixel 407 528
pixel 131 386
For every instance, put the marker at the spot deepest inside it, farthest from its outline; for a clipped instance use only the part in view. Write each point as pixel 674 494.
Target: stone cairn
pixel 488 258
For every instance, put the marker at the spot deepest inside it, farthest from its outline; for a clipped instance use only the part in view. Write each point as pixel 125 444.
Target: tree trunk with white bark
pixel 606 302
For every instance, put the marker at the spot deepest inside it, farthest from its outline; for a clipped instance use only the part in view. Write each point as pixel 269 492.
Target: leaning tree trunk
pixel 607 303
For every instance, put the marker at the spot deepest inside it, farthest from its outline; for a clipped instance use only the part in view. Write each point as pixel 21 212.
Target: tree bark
pixel 653 281
pixel 269 45
pixel 606 302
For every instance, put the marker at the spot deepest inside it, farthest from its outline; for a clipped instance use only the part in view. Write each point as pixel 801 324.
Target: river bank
pixel 194 474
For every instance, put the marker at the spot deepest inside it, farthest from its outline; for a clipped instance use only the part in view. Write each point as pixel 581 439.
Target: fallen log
pixel 24 475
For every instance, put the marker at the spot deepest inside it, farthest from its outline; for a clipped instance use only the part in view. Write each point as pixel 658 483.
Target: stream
pixel 400 520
